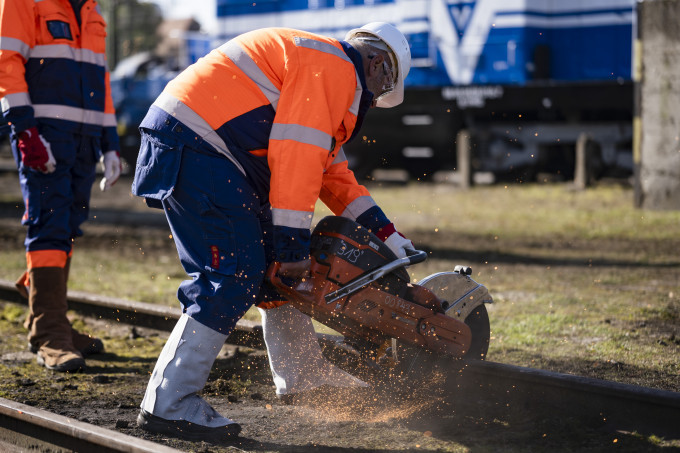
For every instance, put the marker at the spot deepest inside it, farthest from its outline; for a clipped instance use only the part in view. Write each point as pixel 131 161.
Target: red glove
pixel 35 151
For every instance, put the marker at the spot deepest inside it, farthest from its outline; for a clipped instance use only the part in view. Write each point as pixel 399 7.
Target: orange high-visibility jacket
pixel 290 98
pixel 53 69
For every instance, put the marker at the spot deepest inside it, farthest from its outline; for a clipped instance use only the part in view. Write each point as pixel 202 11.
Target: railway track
pixel 493 388
pixel 26 428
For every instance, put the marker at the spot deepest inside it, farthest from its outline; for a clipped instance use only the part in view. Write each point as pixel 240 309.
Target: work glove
pixel 112 168
pixel 395 240
pixel 399 244
pixel 35 151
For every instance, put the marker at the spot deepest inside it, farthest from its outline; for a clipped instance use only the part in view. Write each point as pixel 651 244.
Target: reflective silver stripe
pixel 68 52
pixel 78 115
pixel 358 207
pixel 109 120
pixel 292 219
pixel 301 134
pixel 63 112
pixel 15 100
pixel 176 108
pixel 246 64
pixel 15 45
pixel 322 47
pixel 340 157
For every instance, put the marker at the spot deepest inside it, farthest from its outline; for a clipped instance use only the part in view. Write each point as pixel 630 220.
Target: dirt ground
pixel 109 391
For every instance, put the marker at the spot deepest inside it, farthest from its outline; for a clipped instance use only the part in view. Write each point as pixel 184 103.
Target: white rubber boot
pixel 171 404
pixel 295 356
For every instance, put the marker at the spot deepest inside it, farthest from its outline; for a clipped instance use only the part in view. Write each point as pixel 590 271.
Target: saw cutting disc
pixel 463 299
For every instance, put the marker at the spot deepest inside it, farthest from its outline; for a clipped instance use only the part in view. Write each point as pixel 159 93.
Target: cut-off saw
pixel 361 289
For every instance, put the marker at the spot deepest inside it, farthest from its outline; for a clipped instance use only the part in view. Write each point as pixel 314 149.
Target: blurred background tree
pixel 132 26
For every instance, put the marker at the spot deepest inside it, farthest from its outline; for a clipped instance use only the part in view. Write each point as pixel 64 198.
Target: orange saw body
pixel 359 288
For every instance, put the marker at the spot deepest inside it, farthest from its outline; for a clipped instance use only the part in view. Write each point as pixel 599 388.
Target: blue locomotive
pixel 525 79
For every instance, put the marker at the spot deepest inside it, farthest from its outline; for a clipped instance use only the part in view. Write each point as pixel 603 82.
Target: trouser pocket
pixel 158 165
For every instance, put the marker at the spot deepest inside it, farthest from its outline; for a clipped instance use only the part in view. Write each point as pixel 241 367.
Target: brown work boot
pixel 85 343
pixel 48 326
pixel 60 358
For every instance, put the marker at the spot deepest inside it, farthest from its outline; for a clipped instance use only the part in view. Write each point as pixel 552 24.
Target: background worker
pixel 54 92
pixel 237 150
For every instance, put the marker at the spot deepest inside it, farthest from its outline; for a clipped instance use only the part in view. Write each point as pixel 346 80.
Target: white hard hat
pixel 398 49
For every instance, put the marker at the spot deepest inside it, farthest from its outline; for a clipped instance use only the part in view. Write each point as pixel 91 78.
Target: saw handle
pixel 415 256
pixel 272 276
pixel 285 290
pixel 290 292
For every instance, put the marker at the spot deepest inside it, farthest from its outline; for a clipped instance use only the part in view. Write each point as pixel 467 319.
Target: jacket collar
pixel 366 95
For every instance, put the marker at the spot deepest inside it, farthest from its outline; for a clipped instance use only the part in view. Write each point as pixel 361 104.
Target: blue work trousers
pixel 56 204
pixel 222 230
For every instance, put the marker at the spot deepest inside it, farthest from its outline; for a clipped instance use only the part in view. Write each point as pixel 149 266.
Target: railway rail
pixel 501 387
pixel 26 428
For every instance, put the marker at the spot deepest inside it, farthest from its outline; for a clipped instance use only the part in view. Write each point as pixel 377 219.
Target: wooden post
pixel 463 164
pixel 581 179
